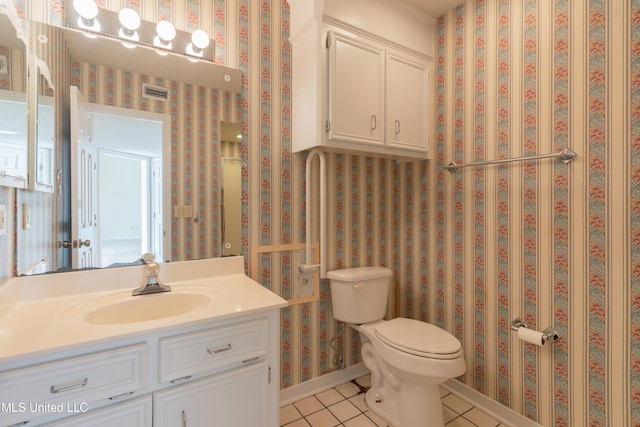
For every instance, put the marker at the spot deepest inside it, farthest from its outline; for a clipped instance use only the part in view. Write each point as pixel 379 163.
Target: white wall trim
pixel 322 383
pixel 489 406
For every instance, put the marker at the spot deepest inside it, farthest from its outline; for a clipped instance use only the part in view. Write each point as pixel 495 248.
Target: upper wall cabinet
pixel 407 92
pixel 356 91
pixel 359 89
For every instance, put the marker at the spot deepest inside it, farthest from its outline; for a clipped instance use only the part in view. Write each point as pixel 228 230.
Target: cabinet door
pixel 356 90
pixel 234 398
pixel 407 93
pixel 134 413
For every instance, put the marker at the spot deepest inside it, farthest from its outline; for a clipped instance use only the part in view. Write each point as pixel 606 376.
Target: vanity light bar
pixel 108 24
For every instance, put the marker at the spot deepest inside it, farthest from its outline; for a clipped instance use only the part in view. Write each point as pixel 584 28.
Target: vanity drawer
pixel 183 356
pixel 71 385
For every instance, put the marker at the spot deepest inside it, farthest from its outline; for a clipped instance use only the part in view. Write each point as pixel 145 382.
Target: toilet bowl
pixel 408 359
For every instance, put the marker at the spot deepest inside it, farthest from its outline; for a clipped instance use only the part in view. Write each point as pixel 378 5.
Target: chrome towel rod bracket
pixel 566 155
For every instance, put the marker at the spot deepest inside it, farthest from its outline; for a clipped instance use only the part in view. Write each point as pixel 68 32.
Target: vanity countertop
pixel 45 314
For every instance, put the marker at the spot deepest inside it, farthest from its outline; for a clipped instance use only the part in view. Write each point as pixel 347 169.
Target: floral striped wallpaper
pixel 554 244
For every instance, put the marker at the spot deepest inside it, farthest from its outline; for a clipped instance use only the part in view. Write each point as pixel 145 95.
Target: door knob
pixel 65 244
pixel 80 243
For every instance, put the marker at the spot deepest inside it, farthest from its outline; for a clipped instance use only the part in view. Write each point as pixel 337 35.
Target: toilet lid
pixel 419 338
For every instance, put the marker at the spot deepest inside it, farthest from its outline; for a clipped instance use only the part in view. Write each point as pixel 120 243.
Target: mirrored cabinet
pixel 43 131
pixel 27 136
pixel 13 139
pixel 13 107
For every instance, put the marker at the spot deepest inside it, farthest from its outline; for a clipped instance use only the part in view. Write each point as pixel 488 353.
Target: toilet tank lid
pixel 359 273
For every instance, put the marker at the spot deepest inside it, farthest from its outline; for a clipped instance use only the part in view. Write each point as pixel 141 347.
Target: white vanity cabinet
pixel 216 364
pixel 237 392
pixel 217 373
pixel 358 87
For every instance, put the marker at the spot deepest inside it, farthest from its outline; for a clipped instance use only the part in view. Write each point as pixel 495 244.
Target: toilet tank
pixel 359 295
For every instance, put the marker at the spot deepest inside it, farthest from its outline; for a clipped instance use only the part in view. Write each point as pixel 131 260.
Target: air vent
pixel 154 92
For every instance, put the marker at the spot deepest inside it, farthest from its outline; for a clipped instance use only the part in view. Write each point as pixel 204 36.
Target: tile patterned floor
pixel 344 405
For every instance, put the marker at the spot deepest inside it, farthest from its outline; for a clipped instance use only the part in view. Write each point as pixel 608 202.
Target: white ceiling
pixel 433 8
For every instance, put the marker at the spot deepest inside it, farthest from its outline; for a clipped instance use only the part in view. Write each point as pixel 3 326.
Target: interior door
pixel 83 183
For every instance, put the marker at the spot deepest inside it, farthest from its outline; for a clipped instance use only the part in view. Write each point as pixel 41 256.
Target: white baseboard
pixel 489 406
pixel 319 384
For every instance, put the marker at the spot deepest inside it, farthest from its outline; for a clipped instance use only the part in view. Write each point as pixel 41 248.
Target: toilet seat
pixel 418 338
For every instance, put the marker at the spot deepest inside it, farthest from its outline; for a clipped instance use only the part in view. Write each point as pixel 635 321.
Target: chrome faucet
pixel 150 283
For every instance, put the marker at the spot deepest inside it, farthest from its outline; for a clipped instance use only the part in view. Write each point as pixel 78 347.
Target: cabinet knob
pixel 64 244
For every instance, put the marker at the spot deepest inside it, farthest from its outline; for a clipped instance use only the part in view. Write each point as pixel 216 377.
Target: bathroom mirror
pixel 44 135
pixel 197 98
pixel 13 107
pixel 231 207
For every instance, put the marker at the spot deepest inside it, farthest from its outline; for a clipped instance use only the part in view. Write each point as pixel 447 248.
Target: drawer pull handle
pixel 184 419
pixel 179 380
pixel 253 359
pixel 120 396
pixel 20 424
pixel 219 350
pixel 55 390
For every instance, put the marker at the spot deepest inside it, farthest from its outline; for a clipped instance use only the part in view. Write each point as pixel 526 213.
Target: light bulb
pixel 129 19
pixel 135 37
pixel 87 9
pixel 166 31
pixel 200 39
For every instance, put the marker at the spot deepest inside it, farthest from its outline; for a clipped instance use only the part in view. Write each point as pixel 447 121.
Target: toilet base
pixel 416 403
pixel 386 408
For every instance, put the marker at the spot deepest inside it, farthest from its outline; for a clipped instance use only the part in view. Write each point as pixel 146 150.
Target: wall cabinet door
pixel 235 398
pixel 356 90
pixel 407 92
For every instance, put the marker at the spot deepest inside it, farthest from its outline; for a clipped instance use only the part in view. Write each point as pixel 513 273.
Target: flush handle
pixel 358 285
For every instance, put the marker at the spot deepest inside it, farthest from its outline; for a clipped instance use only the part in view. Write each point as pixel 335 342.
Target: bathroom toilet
pixel 408 359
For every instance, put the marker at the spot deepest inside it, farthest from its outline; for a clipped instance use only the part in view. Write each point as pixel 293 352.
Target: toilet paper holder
pixel 549 334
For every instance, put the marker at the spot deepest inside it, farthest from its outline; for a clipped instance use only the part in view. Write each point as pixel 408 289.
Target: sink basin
pixel 122 308
pixel 147 307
